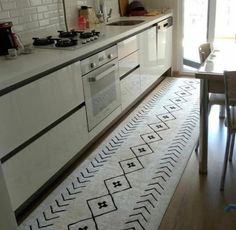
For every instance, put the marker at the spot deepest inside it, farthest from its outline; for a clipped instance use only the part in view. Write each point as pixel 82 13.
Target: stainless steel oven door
pixel 102 92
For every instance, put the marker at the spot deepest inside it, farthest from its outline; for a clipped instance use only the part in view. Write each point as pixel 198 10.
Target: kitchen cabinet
pixel 155 52
pixel 147 41
pixel 7 218
pixel 31 168
pixel 45 126
pixel 127 47
pixel 130 88
pixel 129 73
pixel 164 45
pixel 31 108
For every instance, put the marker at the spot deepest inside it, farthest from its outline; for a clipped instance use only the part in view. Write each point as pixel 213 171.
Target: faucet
pixel 109 15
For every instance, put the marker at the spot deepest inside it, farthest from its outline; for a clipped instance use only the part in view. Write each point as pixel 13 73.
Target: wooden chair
pixel 214 98
pixel 230 102
pixel 204 51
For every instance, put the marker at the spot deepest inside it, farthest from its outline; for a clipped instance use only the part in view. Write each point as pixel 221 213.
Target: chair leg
pixel 231 151
pixel 222 112
pixel 222 183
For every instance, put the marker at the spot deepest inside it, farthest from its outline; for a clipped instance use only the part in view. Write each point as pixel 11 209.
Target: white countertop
pixel 41 60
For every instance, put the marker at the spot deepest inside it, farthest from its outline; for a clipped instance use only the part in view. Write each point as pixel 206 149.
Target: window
pixel 225 27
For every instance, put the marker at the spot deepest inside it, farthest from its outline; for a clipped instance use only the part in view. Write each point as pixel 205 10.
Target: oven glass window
pixel 103 93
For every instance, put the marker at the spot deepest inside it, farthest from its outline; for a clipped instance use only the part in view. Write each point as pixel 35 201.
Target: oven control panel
pixel 93 62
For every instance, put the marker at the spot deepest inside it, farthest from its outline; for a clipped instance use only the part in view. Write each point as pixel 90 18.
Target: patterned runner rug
pixel 128 181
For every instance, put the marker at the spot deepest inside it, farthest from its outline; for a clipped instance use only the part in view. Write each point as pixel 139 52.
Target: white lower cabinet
pixel 127 46
pixel 129 73
pixel 31 108
pixel 148 57
pixel 130 88
pixel 164 45
pixel 29 169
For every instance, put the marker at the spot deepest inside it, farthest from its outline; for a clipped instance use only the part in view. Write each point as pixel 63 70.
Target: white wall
pixel 38 18
pixel 73 5
pixel 32 17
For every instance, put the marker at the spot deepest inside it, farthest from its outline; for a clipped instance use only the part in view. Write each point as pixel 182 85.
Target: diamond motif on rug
pixel 128 181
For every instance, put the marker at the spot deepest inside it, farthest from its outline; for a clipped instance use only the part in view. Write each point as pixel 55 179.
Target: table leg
pixel 203 139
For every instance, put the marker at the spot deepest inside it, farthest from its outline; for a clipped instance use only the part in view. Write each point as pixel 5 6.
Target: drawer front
pixel 31 108
pixel 28 170
pixel 127 47
pixel 128 63
pixel 130 88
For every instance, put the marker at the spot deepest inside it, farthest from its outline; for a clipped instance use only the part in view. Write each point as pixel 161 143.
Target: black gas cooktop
pixel 66 39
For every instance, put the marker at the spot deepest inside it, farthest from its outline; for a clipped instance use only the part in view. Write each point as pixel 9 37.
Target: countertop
pixel 26 67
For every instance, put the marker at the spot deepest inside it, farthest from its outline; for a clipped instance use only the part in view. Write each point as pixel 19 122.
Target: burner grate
pixel 43 41
pixel 65 42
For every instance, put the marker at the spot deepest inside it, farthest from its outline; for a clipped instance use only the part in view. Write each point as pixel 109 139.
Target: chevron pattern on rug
pixel 128 181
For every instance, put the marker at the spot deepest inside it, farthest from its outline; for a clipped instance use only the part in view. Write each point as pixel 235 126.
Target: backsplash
pixel 42 17
pixel 73 5
pixel 32 17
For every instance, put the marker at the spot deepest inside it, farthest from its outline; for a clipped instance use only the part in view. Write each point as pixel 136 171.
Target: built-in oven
pixel 101 85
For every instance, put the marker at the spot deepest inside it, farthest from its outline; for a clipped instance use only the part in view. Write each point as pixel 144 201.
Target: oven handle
pixel 103 74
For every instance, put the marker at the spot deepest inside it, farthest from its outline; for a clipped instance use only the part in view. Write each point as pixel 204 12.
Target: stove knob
pixel 101 59
pixel 110 56
pixel 93 65
pixel 88 40
pixel 92 38
pixel 95 37
pixel 84 41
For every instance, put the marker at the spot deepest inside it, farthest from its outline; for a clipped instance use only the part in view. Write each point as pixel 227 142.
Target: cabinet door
pixel 31 108
pixel 7 217
pixel 130 88
pixel 164 46
pixel 148 57
pixel 169 48
pixel 127 46
pixel 128 63
pixel 29 169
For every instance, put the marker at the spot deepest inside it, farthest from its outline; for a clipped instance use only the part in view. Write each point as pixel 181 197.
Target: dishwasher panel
pixel 164 44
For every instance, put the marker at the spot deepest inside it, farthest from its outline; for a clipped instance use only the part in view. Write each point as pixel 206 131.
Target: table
pixel 211 74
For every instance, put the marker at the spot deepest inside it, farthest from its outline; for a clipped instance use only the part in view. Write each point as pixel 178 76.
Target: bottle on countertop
pixel 82 23
pixel 84 11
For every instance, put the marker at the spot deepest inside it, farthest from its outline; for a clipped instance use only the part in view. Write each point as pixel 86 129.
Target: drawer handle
pixel 103 74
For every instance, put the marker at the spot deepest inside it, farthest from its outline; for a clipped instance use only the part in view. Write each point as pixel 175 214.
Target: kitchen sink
pixel 125 23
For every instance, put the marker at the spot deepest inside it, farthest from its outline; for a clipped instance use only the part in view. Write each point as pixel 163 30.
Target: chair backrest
pixel 204 51
pixel 230 92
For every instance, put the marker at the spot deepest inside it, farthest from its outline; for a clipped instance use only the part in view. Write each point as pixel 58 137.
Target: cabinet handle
pixel 103 74
pixel 110 56
pixel 93 65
